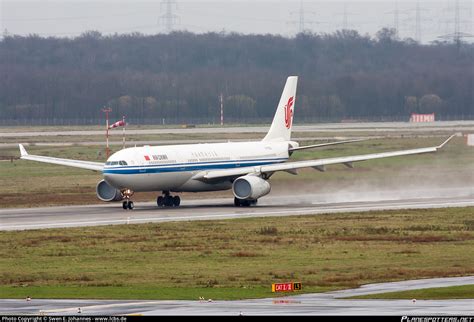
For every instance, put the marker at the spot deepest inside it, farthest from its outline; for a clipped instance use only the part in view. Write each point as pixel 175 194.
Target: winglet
pixel 22 150
pixel 444 143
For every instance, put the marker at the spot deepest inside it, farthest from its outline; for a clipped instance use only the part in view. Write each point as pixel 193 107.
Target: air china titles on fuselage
pixel 156 157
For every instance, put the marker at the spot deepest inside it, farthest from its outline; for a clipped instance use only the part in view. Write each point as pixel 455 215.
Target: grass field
pixel 30 184
pixel 241 258
pixel 236 258
pixel 438 293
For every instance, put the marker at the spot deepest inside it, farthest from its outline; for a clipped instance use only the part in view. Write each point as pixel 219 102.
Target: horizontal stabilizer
pixel 323 145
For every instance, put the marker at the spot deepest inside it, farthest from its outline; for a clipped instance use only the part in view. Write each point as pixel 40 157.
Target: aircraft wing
pixel 316 164
pixel 89 165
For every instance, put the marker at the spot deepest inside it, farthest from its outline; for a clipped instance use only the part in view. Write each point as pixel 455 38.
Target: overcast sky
pixel 72 17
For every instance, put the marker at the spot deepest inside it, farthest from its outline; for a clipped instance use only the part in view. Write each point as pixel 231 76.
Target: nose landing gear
pixel 127 204
pixel 167 200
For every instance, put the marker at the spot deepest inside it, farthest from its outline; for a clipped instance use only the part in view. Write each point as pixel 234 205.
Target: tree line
pixel 180 76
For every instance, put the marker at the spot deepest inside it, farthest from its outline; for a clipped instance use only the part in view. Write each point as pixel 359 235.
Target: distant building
pixel 421 118
pixel 470 139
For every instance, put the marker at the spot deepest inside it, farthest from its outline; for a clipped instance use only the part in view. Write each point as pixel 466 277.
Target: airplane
pixel 243 167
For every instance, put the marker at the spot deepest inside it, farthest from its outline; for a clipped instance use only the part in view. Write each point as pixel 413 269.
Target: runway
pixel 377 127
pixel 218 209
pixel 331 303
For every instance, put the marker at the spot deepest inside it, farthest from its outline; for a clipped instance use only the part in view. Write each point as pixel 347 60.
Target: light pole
pixel 222 109
pixel 123 132
pixel 106 111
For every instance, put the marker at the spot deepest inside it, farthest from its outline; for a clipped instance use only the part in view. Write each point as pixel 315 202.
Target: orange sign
pixel 286 287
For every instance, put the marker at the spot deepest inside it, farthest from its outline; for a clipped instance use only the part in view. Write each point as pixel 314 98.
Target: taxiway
pixel 331 303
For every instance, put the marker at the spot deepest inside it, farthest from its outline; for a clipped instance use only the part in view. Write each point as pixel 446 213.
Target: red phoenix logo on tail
pixel 289 112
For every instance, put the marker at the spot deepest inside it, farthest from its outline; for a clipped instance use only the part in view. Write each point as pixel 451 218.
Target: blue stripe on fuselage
pixel 180 167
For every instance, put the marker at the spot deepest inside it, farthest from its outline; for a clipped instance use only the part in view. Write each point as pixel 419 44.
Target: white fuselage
pixel 172 168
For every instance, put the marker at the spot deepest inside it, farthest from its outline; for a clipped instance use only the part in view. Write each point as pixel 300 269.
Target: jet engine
pixel 106 192
pixel 250 187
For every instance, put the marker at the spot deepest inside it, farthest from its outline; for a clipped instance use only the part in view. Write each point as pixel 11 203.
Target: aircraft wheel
pixel 236 202
pixel 160 201
pixel 128 204
pixel 176 201
pixel 244 203
pixel 168 202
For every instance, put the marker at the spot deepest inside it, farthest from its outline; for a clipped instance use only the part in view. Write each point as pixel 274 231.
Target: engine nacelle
pixel 250 187
pixel 106 192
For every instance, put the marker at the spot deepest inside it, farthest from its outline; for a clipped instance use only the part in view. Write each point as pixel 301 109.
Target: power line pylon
pixel 345 18
pixel 458 35
pixel 169 20
pixel 302 22
pixel 345 25
pixel 418 21
pixel 396 19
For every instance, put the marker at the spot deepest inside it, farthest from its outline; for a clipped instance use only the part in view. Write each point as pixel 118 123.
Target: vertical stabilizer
pixel 280 129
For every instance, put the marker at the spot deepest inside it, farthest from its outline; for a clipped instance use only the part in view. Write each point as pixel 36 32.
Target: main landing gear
pixel 244 202
pixel 127 203
pixel 167 200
